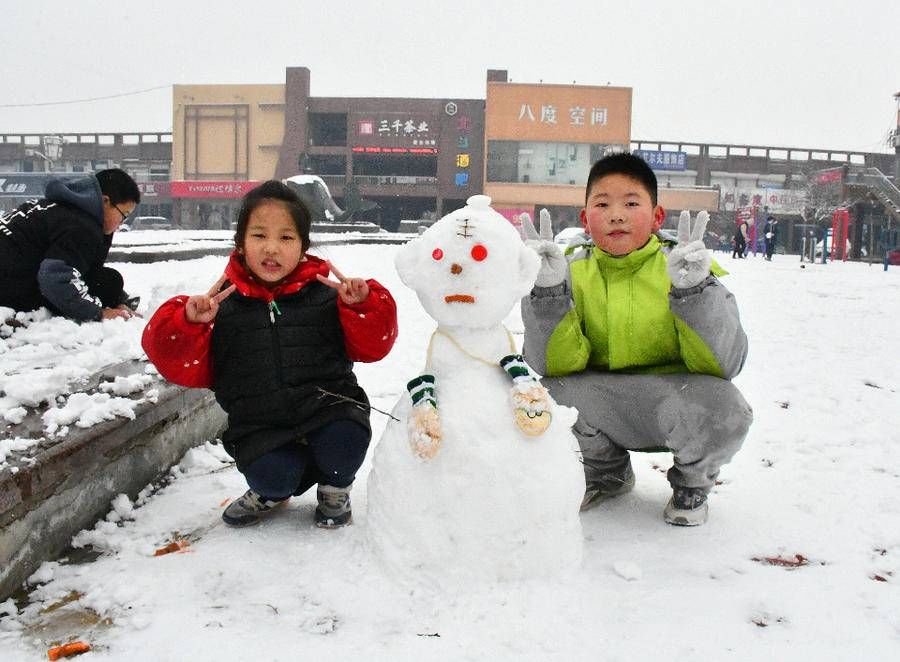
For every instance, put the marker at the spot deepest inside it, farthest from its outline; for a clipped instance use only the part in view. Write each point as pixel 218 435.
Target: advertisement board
pixel 558 113
pixel 211 189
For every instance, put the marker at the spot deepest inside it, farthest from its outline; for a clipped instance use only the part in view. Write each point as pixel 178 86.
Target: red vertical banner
pixel 840 230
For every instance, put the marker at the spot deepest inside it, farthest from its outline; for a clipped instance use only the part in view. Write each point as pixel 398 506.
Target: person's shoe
pixel 609 487
pixel 687 507
pixel 333 510
pixel 249 509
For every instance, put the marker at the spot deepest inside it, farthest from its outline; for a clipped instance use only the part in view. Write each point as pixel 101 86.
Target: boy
pixel 53 250
pixel 641 338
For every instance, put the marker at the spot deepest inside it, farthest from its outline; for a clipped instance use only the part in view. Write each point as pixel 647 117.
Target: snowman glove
pixel 530 400
pixel 553 263
pixel 690 260
pixel 424 423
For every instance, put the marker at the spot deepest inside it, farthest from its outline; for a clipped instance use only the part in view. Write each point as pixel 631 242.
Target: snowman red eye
pixel 479 252
pixel 437 254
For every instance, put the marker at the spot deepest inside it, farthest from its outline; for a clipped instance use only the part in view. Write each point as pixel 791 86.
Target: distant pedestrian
pixel 740 240
pixel 770 233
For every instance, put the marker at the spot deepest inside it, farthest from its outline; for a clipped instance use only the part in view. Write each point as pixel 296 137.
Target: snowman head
pixel 470 267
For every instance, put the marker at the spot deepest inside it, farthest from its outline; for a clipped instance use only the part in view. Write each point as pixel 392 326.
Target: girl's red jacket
pixel 180 350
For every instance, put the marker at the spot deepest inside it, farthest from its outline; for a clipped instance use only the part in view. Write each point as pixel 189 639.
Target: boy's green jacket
pixel 621 314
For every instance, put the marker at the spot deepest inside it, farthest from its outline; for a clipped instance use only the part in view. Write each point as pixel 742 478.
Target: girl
pixel 279 359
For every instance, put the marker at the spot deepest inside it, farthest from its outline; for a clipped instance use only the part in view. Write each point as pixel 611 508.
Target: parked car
pixel 147 223
pixel 893 256
pixel 567 236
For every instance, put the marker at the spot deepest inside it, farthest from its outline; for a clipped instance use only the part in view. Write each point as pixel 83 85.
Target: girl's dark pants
pixel 331 455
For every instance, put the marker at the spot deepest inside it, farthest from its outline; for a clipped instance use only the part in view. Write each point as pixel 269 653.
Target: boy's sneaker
pixel 609 487
pixel 333 510
pixel 249 509
pixel 687 507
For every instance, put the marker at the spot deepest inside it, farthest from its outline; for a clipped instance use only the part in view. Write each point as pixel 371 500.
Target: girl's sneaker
pixel 333 510
pixel 687 507
pixel 249 509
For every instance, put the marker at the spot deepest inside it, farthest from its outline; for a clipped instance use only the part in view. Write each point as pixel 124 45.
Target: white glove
pixel 690 260
pixel 553 263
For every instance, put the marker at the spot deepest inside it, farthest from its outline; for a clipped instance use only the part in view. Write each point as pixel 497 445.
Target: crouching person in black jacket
pixel 52 250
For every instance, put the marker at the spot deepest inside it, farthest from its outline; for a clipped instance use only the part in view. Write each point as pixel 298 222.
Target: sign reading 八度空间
pixel 558 113
pixel 575 115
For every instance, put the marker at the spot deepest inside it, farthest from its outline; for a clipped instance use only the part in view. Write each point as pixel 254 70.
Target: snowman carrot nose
pixel 455 269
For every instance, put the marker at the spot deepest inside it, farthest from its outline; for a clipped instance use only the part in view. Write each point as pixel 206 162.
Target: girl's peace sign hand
pixel 351 290
pixel 202 308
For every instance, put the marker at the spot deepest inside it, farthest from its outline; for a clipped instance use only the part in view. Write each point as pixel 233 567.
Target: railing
pixel 768 152
pixel 879 181
pixel 380 180
pixel 93 138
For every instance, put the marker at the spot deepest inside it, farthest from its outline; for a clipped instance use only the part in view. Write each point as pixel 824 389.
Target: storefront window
pixel 543 162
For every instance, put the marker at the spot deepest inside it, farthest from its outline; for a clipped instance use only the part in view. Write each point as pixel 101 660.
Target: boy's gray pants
pixel 701 419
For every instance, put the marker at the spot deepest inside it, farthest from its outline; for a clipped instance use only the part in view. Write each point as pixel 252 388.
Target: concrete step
pixel 52 491
pixel 156 253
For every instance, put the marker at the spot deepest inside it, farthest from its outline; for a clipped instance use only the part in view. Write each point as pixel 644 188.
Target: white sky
pixel 782 72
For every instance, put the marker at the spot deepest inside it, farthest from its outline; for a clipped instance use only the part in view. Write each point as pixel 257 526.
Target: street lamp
pixel 52 151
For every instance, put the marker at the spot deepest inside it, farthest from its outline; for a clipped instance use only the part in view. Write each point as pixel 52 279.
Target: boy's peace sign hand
pixel 351 290
pixel 553 262
pixel 689 261
pixel 203 308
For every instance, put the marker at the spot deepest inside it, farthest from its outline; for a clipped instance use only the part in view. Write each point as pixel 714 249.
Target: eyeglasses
pixel 124 215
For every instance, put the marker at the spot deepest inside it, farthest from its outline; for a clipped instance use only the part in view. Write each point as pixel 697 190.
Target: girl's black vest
pixel 271 376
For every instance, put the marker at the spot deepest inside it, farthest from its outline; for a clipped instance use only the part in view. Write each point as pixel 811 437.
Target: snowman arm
pixel 518 370
pixel 421 391
pixel 530 400
pixel 370 327
pixel 424 423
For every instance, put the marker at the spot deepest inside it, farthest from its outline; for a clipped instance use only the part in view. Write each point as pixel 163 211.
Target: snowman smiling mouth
pixel 459 298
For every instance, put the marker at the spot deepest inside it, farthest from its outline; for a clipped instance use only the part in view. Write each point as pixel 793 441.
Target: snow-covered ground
pixel 817 485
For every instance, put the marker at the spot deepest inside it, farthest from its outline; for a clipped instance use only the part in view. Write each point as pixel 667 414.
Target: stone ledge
pixel 69 483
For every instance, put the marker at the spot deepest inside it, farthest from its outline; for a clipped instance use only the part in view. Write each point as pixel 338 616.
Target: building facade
pixel 527 146
pixel 414 158
pixel 28 161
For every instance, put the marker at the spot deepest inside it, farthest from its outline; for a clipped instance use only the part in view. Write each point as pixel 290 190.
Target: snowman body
pixel 492 503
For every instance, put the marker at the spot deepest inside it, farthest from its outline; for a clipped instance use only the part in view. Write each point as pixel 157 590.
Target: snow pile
pixel 43 357
pixel 16 444
pixel 491 503
pixel 818 477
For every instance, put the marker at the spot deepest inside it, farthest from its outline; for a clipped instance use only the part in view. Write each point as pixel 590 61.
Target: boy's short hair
pixel 622 163
pixel 118 186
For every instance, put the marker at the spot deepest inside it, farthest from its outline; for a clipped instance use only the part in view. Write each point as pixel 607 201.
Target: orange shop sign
pixel 558 113
pixel 212 189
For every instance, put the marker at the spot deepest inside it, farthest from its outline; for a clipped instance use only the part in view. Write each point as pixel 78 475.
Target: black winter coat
pixel 269 370
pixel 49 247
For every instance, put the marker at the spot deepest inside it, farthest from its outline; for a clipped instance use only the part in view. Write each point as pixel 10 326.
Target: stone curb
pixel 69 484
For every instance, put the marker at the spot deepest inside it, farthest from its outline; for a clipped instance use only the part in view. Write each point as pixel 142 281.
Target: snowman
pixel 479 477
